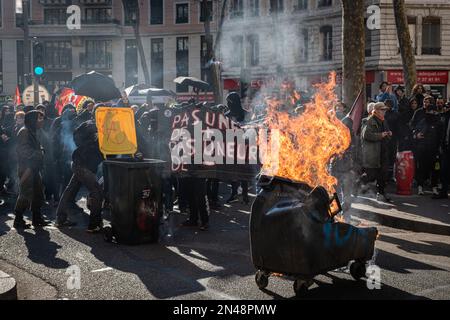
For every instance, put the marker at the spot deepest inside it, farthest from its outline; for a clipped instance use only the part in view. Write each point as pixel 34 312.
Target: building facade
pixel 172 33
pixel 303 38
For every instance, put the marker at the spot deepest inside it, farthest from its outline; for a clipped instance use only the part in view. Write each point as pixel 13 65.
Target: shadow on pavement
pixel 174 268
pixel 430 248
pixel 41 249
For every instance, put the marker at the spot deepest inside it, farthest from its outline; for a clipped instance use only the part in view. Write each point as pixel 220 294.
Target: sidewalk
pixel 414 213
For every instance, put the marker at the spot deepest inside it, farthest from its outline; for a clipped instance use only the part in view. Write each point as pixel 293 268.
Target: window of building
pixel 54 80
pixel 19 16
pixel 431 36
pixel 98 54
pixel 157 62
pixel 237 52
pixel 276 6
pixel 98 15
pixel 1 14
pixel 129 16
pixel 253 50
pixel 210 9
pixel 253 7
pixel 237 8
pixel 182 13
pixel 301 5
pixel 131 62
pixel 182 56
pixel 55 16
pixel 324 3
pixel 58 54
pixel 326 43
pixel 156 12
pixel 303 46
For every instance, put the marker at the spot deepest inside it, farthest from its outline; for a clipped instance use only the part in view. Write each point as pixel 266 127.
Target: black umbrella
pixel 95 85
pixel 193 82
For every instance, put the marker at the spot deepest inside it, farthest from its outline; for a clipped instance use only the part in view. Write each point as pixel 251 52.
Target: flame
pixel 307 142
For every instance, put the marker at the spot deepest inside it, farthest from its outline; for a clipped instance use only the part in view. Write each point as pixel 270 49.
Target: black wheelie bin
pixel 134 189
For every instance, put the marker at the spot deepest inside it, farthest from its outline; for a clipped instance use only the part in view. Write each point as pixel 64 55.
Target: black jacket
pixel 433 131
pixel 87 154
pixel 30 153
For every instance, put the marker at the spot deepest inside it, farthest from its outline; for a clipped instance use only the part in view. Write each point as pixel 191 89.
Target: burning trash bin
pixel 135 198
pixel 294 233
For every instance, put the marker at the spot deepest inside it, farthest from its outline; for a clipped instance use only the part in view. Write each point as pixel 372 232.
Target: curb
pixel 402 223
pixel 8 287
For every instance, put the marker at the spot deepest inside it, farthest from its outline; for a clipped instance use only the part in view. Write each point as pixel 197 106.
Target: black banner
pixel 205 143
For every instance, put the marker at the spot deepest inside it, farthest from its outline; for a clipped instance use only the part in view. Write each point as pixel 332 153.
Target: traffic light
pixel 38 59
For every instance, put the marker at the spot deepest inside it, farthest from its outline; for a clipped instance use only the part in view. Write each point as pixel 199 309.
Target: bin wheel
pixel 108 234
pixel 301 287
pixel 358 270
pixel 262 279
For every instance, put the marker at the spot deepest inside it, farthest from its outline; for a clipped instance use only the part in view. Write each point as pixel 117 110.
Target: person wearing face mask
pixel 427 137
pixel 375 135
pixel 30 163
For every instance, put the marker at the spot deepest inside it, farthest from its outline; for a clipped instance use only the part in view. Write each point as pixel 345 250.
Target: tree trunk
pixel 214 68
pixel 353 50
pixel 406 49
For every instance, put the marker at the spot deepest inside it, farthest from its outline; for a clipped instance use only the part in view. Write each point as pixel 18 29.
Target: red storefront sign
pixel 424 77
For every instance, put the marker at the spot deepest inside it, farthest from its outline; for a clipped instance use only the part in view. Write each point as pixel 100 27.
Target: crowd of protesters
pixel 46 157
pixel 395 123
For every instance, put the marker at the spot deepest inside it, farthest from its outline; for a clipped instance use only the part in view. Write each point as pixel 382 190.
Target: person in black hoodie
pixel 30 164
pixel 428 136
pixel 86 159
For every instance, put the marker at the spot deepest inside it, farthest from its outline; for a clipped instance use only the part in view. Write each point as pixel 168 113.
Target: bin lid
pixel 116 131
pixel 133 164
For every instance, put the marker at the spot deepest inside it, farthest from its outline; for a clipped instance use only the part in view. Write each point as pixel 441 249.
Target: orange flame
pixel 308 142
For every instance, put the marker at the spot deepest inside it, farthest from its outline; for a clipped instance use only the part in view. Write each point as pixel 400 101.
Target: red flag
pixel 356 112
pixel 17 98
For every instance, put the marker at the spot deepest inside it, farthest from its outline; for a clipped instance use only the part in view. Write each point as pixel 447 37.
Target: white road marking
pixel 103 269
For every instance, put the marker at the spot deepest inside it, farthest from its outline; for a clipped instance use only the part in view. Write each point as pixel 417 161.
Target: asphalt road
pixel 216 264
